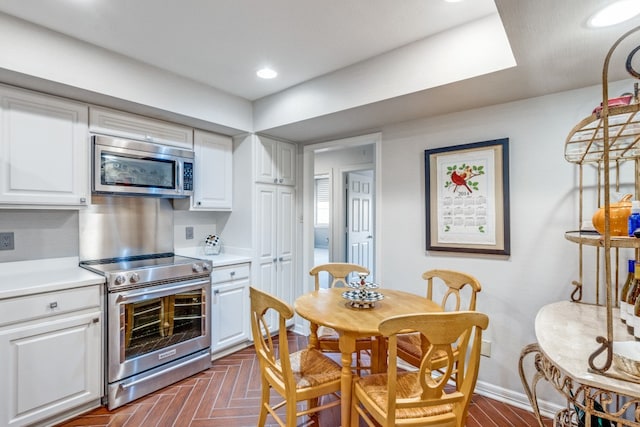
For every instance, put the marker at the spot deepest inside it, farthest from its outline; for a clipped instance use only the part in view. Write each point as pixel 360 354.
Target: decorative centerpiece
pixel 361 294
pixel 212 244
pixel 618 215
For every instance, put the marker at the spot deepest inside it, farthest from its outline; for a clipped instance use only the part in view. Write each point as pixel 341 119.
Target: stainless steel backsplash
pixel 117 226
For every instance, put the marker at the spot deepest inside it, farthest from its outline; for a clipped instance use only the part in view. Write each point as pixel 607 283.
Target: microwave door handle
pixel 179 176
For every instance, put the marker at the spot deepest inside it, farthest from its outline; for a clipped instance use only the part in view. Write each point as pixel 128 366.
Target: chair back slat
pixel 455 282
pixel 433 385
pixel 448 333
pixel 268 353
pixel 338 273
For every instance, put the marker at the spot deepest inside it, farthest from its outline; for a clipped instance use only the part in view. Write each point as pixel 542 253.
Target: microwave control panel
pixel 188 176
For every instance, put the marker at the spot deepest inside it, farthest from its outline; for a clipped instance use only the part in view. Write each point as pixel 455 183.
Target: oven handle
pixel 164 288
pixel 123 387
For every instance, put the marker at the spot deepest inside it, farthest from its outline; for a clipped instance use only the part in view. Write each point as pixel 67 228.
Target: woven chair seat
pixel 328 334
pixel 410 344
pixel 424 397
pixel 407 387
pixel 311 368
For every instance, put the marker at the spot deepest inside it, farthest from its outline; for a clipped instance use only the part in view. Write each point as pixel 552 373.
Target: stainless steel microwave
pixel 136 168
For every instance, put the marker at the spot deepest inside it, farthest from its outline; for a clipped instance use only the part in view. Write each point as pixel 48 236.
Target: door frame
pixel 309 151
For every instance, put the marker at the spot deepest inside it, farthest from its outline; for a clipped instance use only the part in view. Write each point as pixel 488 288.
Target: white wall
pixel 325 161
pixel 40 234
pixel 543 203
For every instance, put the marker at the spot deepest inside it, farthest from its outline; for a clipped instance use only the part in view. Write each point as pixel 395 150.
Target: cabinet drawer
pixel 230 272
pixel 116 123
pixel 22 309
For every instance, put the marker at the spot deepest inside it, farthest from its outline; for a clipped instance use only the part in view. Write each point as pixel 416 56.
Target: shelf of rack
pixel 585 143
pixel 591 239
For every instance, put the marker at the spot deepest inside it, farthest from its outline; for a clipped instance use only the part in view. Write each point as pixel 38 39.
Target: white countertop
pixel 566 332
pixel 22 278
pixel 221 259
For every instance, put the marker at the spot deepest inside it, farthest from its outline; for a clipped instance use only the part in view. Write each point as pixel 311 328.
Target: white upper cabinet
pixel 44 150
pixel 213 174
pixel 275 162
pixel 116 123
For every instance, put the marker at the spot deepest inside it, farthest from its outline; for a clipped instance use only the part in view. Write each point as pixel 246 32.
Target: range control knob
pixel 134 278
pixel 197 268
pixel 120 279
pixel 206 267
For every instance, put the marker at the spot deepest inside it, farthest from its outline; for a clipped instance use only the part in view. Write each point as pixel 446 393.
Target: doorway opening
pixel 340 196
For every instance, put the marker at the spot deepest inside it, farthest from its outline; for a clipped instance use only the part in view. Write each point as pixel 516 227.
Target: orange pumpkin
pixel 618 217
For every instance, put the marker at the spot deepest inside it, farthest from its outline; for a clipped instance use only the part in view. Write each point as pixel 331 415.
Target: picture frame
pixel 467 198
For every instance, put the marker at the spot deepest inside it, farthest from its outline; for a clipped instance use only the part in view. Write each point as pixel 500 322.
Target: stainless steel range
pixel 157 304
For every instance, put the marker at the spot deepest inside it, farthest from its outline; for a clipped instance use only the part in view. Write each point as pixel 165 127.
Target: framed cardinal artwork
pixel 467 198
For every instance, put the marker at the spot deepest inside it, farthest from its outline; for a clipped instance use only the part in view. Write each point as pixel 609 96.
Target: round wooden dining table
pixel 327 307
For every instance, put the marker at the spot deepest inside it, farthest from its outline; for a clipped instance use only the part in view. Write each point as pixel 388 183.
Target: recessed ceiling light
pixel 615 13
pixel 266 73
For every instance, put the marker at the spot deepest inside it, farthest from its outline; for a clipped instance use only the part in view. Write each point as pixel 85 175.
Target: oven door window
pixel 157 323
pixel 120 170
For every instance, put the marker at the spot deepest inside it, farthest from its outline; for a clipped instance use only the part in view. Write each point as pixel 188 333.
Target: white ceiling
pixel 223 42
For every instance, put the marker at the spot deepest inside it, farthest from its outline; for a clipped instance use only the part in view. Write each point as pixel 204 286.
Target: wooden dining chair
pixel 422 397
pixel 305 375
pixel 459 294
pixel 337 274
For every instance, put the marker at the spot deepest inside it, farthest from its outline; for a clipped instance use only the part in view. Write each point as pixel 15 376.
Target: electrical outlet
pixel 188 233
pixel 6 241
pixel 485 348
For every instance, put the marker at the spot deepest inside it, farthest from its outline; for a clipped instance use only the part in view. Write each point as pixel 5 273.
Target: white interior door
pixel 360 237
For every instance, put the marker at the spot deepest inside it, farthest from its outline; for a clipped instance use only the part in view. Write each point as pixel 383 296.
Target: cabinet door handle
pixel 199 203
pixel 275 260
pixel 281 180
pixel 275 180
pixel 53 305
pixel 96 320
pixel 281 259
pixel 233 273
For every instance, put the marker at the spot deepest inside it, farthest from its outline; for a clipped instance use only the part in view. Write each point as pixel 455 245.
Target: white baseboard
pixel 517 399
pixel 301 329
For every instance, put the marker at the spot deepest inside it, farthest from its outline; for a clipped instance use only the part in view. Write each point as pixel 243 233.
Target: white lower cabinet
pixel 230 308
pixel 50 354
